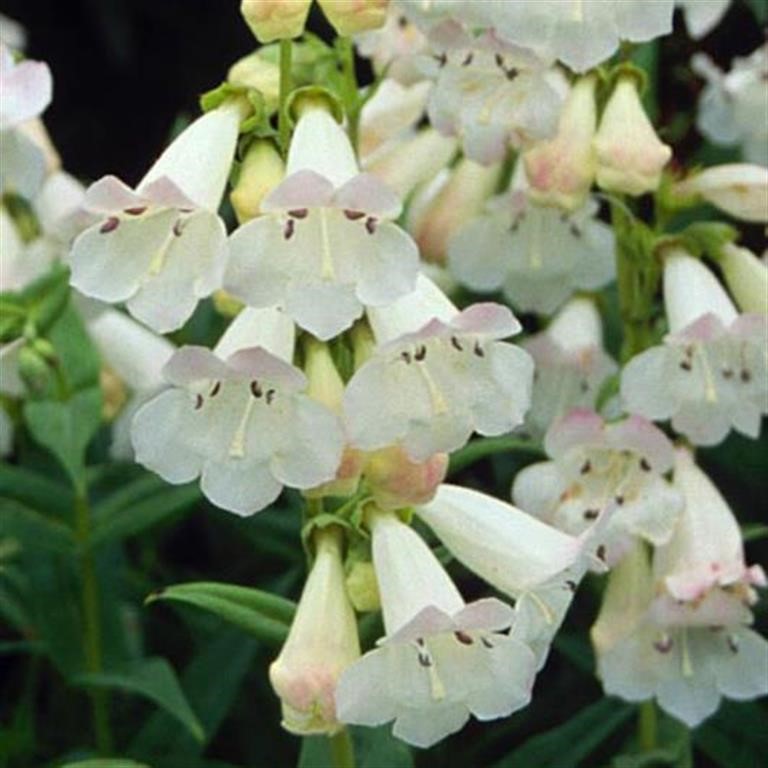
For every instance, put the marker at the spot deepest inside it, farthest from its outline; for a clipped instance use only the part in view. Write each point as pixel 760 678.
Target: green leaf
pixel 567 745
pixel 34 529
pixel 77 355
pixel 109 762
pixel 673 750
pixel 35 490
pixel 113 522
pixel 315 753
pixel 754 531
pixel 65 428
pixel 153 678
pixel 377 747
pixel 736 737
pixel 760 9
pixel 264 615
pixel 483 447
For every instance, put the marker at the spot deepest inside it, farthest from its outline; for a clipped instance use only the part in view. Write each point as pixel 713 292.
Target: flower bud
pixel 34 369
pixel 630 156
pixel 747 278
pixel 397 481
pixel 348 17
pixel 321 644
pixel 460 199
pixel 561 171
pixel 262 170
pixel 256 72
pixel 362 587
pixel 271 20
pixel 739 189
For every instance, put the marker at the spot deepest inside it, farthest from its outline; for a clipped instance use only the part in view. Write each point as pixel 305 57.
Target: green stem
pixel 647 726
pixel 487 446
pixel 283 127
pixel 92 623
pixel 342 750
pixel 350 91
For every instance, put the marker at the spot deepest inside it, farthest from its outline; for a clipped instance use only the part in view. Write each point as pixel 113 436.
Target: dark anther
pixel 511 73
pixel 571 585
pixel 619 499
pixel 135 211
pixel 468 59
pixel 290 228
pixel 645 465
pixel 727 373
pixel 215 390
pixel 420 353
pixel 110 225
pixel 463 638
pixel 424 660
pixel 499 60
pixel 745 375
pixel 198 402
pixel 298 213
pixel 402 22
pixel 575 230
pixel 178 228
pixel 270 396
pixel 600 552
pixel 406 356
pixel 584 386
pixel 586 467
pixel 456 344
pixel 664 645
pixel 486 642
pixel 441 59
pixel 354 215
pixel 591 514
pixel 478 350
pixel 733 643
pixel 370 225
pixel 686 365
pixel 256 390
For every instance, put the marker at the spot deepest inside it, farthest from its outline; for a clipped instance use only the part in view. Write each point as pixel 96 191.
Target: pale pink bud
pixel 630 156
pixel 561 171
pixel 397 481
pixel 321 644
pixel 275 19
pixel 348 17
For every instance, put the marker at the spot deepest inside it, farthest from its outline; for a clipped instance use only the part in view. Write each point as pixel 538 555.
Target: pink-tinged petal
pixel 756 576
pixel 27 91
pixel 111 195
pixel 366 193
pixel 302 189
pixel 429 621
pixel 487 613
pixel 642 436
pixel 487 319
pixel 257 363
pixel 707 327
pixel 581 427
pixel 165 192
pixel 191 364
pixel 750 326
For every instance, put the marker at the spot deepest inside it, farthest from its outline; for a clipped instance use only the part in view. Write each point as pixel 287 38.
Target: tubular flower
pixel 710 374
pixel 326 246
pixel 537 255
pixel 441 660
pixel 594 464
pixel 747 278
pixel 161 248
pixel 680 632
pixel 441 373
pixel 271 20
pixel 348 17
pixel 571 364
pixel 238 419
pixel 321 644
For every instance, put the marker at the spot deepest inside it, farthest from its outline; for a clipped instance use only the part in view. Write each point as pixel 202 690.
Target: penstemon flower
pixel 571 364
pixel 326 246
pixel 441 660
pixel 594 464
pixel 26 87
pixel 441 373
pixel 161 248
pixel 537 255
pixel 680 632
pixel 238 419
pixel 709 375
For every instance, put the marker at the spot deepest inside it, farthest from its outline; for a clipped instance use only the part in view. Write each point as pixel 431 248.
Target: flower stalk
pixel 342 749
pixel 283 126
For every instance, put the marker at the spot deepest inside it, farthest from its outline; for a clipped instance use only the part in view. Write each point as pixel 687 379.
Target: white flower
pixel 437 375
pixel 321 644
pixel 630 156
pixel 702 16
pixel 571 364
pixel 595 463
pixel 26 87
pixel 237 418
pixel 710 374
pixel 441 660
pixel 739 189
pixel 161 248
pixel 680 632
pixel 562 170
pixel 23 162
pixel 327 246
pixel 733 106
pixel 747 278
pixel 492 96
pixel 537 255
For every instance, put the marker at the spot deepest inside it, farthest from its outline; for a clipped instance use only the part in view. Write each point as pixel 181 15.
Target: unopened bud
pixel 747 278
pixel 271 20
pixel 630 156
pixel 396 481
pixel 260 74
pixel 34 369
pixel 262 170
pixel 362 587
pixel 348 17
